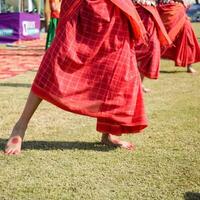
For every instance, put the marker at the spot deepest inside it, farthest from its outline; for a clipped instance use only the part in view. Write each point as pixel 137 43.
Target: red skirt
pixel 185 49
pixel 148 55
pixel 91 69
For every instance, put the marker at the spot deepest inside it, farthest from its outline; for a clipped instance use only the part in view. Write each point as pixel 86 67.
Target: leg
pixel 111 140
pixel 14 143
pixel 144 89
pixel 190 69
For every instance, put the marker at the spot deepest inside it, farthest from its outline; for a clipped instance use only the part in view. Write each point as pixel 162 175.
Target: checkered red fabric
pixel 161 31
pixel 148 55
pixel 130 11
pixel 91 68
pixel 185 49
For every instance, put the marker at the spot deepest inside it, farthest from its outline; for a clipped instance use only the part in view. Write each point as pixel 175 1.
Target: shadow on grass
pixel 25 85
pixel 171 72
pixel 192 196
pixel 60 145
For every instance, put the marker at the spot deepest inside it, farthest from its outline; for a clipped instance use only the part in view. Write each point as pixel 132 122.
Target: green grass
pixel 62 158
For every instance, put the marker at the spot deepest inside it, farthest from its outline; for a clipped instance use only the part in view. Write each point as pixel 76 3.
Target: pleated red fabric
pixel 148 55
pixel 91 69
pixel 185 49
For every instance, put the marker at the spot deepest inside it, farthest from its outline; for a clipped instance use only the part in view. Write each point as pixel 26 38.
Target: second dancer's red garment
pixel 185 49
pixel 148 55
pixel 91 68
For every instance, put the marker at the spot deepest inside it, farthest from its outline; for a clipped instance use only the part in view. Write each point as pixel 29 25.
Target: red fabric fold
pixel 174 17
pixel 128 8
pixel 148 56
pixel 161 31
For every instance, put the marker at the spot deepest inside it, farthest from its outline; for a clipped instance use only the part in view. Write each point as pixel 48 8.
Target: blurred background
pixel 41 7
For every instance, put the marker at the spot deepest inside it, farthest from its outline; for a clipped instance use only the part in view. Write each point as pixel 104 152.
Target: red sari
pixel 148 55
pixel 185 49
pixel 90 68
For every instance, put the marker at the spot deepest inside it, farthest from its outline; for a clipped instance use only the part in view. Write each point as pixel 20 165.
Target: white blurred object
pixel 188 2
pixel 145 2
pixel 30 5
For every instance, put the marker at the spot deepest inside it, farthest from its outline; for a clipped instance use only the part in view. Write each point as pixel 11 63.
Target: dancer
pixel 55 13
pixel 91 69
pixel 148 55
pixel 185 49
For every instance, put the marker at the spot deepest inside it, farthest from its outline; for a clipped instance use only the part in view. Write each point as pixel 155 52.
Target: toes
pixel 146 90
pixel 131 147
pixel 128 146
pixel 8 151
pixel 16 152
pixel 11 150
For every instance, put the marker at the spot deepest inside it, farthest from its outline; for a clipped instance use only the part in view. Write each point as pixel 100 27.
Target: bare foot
pixel 145 90
pixel 13 146
pixel 111 140
pixel 191 70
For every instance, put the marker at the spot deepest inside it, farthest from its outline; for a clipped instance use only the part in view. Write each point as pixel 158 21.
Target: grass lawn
pixel 62 157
